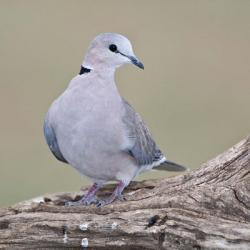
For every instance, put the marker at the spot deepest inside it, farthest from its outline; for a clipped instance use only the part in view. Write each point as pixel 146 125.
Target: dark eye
pixel 113 47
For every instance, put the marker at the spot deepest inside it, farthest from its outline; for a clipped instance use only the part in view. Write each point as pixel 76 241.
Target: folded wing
pixel 51 140
pixel 143 148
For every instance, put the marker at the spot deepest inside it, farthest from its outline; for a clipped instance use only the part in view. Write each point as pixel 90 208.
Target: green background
pixel 194 93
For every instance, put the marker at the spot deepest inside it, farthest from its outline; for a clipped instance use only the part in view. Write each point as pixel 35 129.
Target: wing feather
pixel 51 140
pixel 144 148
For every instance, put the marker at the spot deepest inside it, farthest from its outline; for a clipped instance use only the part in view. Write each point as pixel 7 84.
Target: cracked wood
pixel 208 208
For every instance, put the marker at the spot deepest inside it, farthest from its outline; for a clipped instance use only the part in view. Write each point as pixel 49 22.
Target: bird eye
pixel 113 48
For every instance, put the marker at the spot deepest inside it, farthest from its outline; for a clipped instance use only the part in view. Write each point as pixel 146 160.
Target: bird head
pixel 110 50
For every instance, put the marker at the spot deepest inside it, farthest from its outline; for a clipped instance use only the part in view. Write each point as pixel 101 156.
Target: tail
pixel 170 166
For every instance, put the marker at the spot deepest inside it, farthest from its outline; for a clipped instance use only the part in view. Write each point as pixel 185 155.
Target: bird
pixel 91 127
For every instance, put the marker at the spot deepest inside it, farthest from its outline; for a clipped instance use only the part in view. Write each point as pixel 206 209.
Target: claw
pixel 84 201
pixel 121 197
pixel 117 194
pixel 104 202
pixel 88 199
pixel 101 203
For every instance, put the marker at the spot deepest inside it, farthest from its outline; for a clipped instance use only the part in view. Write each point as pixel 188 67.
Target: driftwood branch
pixel 208 208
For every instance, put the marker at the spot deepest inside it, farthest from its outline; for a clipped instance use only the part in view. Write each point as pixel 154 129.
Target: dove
pixel 95 130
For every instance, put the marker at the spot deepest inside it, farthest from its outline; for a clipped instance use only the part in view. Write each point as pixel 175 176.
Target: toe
pixel 90 201
pixel 100 203
pixel 105 202
pixel 85 201
pixel 121 197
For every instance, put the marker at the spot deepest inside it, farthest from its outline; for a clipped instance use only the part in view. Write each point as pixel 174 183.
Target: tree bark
pixel 208 208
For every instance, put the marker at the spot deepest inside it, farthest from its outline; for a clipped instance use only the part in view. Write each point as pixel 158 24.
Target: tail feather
pixel 170 166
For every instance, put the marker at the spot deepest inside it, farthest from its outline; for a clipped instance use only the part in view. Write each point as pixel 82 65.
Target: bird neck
pixel 84 70
pixel 103 70
pixel 96 64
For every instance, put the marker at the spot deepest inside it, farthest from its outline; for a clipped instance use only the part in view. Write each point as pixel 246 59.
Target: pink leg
pixel 117 194
pixel 88 198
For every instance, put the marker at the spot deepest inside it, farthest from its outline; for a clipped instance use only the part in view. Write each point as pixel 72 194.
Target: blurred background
pixel 194 93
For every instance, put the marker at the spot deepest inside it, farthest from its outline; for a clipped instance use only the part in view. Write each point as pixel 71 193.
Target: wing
pixel 143 149
pixel 170 166
pixel 51 140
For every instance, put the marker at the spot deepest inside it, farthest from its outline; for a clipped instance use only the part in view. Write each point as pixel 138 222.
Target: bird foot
pixel 88 200
pixel 90 197
pixel 109 200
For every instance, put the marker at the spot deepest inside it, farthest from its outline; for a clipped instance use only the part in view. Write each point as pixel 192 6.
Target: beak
pixel 136 62
pixel 133 59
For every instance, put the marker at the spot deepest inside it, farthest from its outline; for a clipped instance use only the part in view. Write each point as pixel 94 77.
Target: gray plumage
pixel 91 127
pixel 143 149
pixel 52 141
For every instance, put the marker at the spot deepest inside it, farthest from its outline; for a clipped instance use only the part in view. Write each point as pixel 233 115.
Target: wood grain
pixel 208 208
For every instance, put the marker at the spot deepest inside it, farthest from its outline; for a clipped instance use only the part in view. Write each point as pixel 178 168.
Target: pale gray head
pixel 110 50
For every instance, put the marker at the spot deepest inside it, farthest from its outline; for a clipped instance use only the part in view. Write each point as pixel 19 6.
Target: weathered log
pixel 208 208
